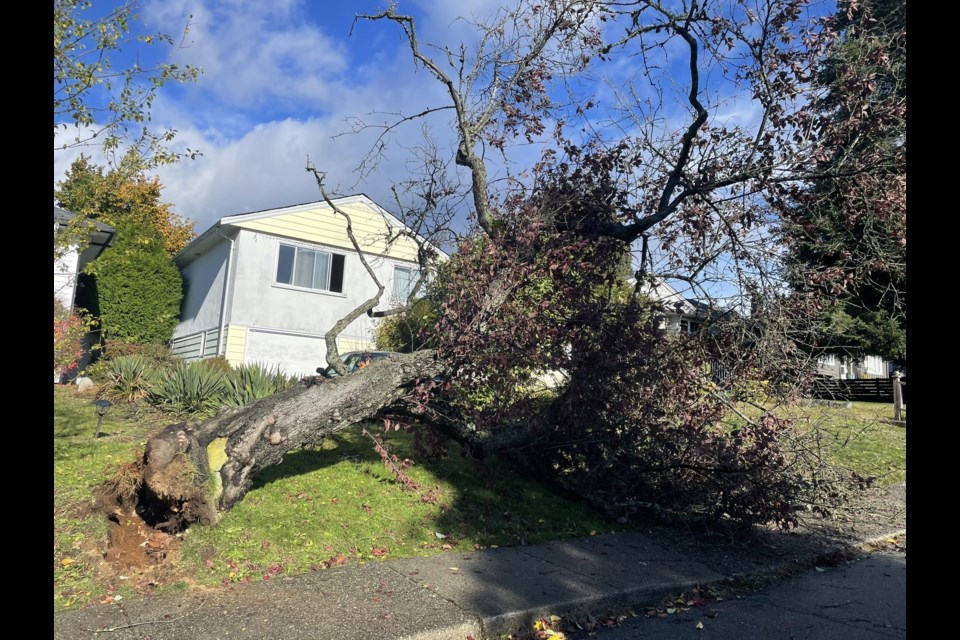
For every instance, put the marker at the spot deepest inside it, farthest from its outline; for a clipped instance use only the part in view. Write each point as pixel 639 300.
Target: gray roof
pixel 63 216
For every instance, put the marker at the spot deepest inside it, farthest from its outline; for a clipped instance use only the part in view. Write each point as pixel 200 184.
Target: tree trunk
pixel 196 471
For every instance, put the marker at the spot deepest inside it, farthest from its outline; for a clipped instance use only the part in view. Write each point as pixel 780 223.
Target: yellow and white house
pixel 273 282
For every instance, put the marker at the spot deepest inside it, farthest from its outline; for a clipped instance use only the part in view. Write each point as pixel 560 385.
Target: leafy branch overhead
pixel 847 235
pixel 99 99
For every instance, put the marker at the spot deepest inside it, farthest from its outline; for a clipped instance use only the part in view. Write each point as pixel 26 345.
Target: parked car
pixel 355 360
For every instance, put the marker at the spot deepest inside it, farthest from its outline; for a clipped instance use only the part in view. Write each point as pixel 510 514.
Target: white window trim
pixel 310 247
pixel 414 278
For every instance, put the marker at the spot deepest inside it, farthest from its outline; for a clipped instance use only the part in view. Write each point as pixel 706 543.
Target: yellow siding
pixel 354 343
pixel 320 225
pixel 236 344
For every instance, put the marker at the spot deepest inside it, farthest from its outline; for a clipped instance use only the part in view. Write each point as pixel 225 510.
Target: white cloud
pixel 263 169
pixel 275 90
pixel 253 53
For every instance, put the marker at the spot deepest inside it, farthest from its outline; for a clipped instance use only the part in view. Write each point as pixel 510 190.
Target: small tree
pixel 139 289
pixel 69 329
pixel 123 197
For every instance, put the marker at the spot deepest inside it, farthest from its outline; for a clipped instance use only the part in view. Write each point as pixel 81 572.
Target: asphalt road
pixel 866 599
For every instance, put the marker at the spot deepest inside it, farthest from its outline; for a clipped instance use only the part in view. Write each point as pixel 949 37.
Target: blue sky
pixel 282 78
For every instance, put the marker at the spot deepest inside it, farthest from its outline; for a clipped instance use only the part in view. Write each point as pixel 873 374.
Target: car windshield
pixel 351 360
pixel 355 360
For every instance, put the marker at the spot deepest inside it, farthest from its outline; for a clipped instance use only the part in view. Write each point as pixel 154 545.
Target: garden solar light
pixel 102 406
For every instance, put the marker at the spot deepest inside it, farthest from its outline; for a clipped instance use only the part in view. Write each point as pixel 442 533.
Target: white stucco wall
pixel 203 284
pixel 65 277
pixel 287 324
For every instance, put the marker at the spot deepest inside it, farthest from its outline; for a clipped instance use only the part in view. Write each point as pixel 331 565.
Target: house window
pixel 828 360
pixel 689 326
pixel 874 365
pixel 310 268
pixel 403 282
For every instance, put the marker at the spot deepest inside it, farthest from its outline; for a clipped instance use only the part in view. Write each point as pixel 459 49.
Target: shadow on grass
pixel 459 504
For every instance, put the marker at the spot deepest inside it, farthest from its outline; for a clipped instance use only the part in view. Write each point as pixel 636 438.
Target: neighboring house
pixel 272 283
pixel 835 366
pixel 71 263
pixel 684 315
pixel 681 315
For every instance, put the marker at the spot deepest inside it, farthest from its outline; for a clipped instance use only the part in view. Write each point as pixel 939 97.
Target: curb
pixel 521 621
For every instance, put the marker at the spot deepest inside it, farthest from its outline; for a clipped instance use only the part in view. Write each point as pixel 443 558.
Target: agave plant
pixel 189 388
pixel 130 378
pixel 249 382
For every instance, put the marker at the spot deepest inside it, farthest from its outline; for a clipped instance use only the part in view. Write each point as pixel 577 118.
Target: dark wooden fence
pixel 871 390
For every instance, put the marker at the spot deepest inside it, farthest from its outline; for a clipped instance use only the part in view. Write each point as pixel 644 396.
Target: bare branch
pixel 330 338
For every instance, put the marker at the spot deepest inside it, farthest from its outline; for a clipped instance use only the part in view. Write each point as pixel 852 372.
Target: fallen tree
pixel 538 284
pixel 195 471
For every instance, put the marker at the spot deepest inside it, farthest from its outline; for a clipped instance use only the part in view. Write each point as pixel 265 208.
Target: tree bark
pixel 196 471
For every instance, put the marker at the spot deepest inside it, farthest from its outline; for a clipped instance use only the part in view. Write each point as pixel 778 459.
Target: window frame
pixel 327 254
pixel 689 326
pixel 414 278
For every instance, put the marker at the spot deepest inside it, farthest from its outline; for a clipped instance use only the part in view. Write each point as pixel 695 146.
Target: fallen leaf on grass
pixel 336 560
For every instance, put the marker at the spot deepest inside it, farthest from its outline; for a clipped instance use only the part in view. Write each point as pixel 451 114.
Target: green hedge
pixel 140 290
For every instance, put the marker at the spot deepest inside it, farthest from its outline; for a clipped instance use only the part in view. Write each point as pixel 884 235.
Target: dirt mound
pixel 133 544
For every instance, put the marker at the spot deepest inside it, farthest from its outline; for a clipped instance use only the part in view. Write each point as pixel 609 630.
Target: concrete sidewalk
pixel 481 594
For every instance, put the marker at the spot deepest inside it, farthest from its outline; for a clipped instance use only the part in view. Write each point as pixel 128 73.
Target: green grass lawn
pixel 337 503
pixel 858 438
pixel 330 505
